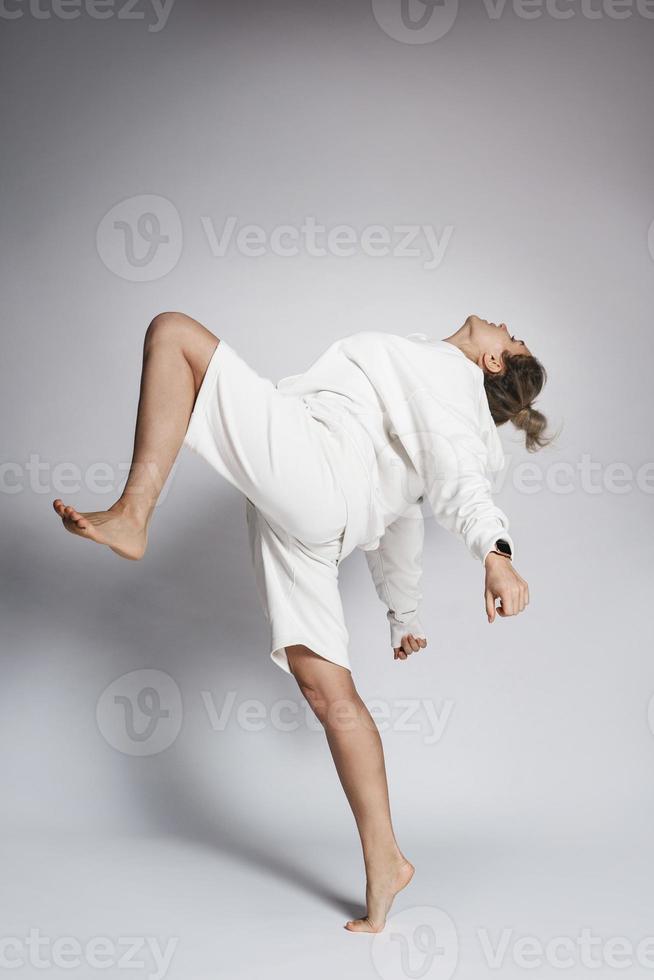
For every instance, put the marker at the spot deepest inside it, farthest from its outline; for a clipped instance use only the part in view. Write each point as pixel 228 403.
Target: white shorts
pixel 306 498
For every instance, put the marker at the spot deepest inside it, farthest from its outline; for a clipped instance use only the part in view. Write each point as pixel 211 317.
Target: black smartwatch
pixel 503 547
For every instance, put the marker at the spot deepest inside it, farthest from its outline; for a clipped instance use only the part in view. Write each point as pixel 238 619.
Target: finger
pixel 509 604
pixel 413 643
pixel 405 645
pixel 422 642
pixel 490 606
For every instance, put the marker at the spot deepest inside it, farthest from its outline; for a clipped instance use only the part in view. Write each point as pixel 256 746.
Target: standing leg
pixel 357 751
pixel 176 352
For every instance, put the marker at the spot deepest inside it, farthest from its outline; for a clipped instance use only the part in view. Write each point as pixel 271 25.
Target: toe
pixel 361 925
pixel 73 520
pixel 73 516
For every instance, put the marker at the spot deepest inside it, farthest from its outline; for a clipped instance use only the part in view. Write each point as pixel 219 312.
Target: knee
pixel 317 699
pixel 328 688
pixel 167 327
pixel 333 704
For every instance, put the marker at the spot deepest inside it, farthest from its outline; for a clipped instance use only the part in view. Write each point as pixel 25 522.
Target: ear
pixel 490 363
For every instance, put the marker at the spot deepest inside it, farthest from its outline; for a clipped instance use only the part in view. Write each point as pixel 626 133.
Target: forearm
pixel 462 502
pixel 396 570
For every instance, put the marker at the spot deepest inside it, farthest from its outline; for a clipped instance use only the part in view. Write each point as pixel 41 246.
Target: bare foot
pixel 125 534
pixel 381 889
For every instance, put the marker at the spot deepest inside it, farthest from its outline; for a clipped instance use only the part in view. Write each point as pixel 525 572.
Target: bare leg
pixel 357 751
pixel 176 352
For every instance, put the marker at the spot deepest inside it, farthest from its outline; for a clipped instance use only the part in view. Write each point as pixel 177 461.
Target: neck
pixel 461 339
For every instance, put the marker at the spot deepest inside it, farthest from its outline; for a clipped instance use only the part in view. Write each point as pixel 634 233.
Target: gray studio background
pixel 525 145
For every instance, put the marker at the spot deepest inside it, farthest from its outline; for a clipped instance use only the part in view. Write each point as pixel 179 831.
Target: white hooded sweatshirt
pixel 417 411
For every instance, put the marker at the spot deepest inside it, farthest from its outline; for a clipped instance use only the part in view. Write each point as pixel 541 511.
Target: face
pixel 492 341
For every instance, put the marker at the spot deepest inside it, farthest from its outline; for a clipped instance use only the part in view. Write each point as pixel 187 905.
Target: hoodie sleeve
pixel 396 569
pixel 466 508
pixel 456 458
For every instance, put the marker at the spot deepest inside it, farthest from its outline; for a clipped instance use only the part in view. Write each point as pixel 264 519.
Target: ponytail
pixel 511 393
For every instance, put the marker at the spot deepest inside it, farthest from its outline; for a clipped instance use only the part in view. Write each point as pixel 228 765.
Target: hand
pixel 410 644
pixel 504 583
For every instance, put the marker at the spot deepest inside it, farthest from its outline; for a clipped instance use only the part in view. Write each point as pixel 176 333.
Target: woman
pixel 339 457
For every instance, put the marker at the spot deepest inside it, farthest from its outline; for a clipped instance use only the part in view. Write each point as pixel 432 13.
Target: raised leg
pixel 357 751
pixel 176 352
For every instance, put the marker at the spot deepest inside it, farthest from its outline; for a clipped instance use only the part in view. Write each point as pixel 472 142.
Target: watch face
pixel 503 546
